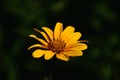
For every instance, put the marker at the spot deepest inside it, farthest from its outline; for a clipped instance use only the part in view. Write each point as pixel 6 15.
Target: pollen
pixel 57 46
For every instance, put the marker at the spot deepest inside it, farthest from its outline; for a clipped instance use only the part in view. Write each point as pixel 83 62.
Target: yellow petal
pixel 73 45
pixel 58 29
pixel 62 56
pixel 37 45
pixel 40 40
pixel 49 32
pixel 74 53
pixel 38 53
pixel 43 34
pixel 67 32
pixel 80 46
pixel 73 38
pixel 49 55
pixel 75 35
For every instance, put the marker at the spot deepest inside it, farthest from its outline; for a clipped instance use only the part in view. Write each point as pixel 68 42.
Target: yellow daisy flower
pixel 61 43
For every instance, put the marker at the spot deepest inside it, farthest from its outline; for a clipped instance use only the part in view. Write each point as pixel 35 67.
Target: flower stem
pixel 54 72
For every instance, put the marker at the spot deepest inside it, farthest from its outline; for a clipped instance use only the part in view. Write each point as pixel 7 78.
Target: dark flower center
pixel 56 45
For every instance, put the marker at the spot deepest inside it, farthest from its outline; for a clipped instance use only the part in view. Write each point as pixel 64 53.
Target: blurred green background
pixel 97 20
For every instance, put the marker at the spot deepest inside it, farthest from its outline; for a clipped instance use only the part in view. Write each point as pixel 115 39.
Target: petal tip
pixel 37 54
pixel 31 35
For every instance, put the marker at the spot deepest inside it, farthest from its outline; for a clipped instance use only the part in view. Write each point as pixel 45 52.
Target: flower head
pixel 60 43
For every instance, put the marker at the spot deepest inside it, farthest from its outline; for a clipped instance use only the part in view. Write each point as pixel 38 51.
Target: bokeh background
pixel 97 20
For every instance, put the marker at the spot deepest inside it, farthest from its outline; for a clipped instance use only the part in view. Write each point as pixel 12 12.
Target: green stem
pixel 54 69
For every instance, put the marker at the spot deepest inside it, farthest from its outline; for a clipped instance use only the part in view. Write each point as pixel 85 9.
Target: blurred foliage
pixel 97 20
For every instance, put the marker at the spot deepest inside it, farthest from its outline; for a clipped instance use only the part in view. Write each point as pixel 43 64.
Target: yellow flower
pixel 61 43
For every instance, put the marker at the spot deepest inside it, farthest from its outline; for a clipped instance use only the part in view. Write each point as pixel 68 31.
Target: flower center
pixel 56 45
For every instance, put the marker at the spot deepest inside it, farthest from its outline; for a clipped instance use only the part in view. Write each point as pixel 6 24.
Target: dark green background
pixel 97 20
